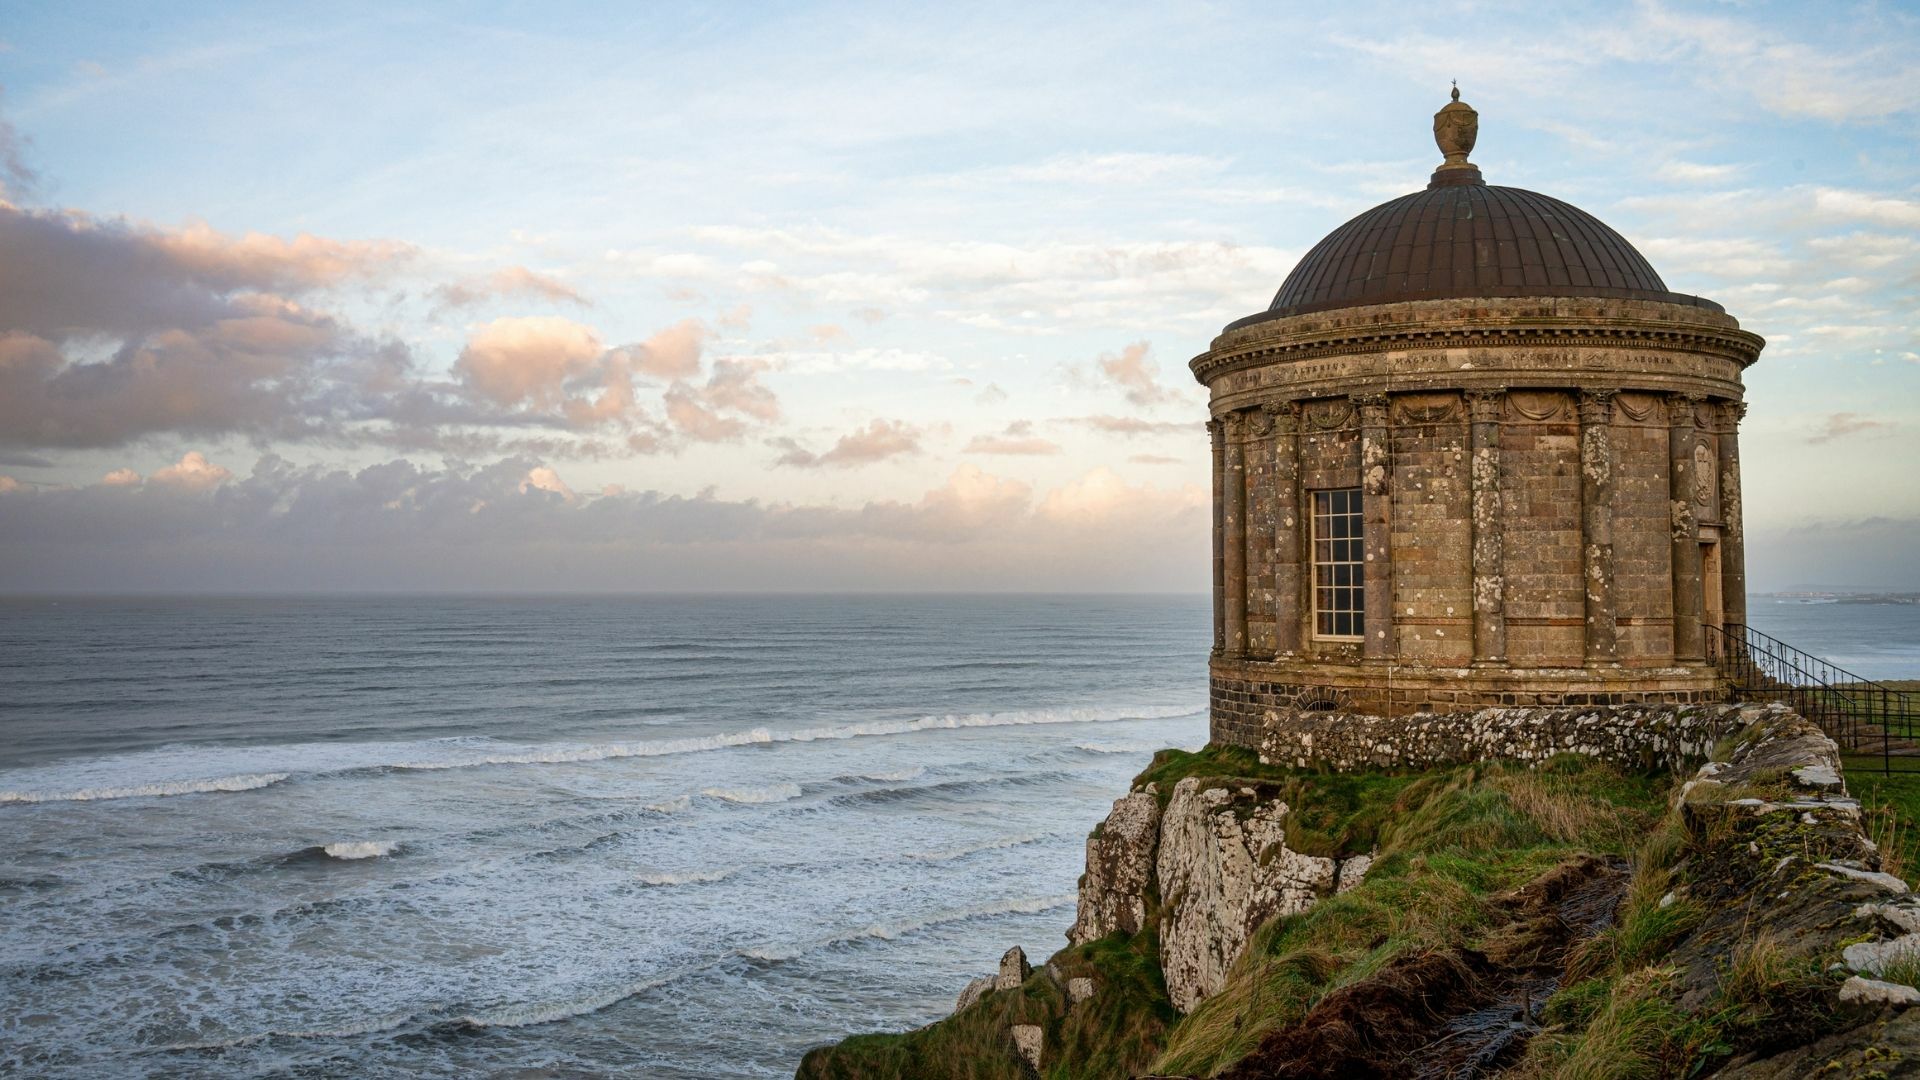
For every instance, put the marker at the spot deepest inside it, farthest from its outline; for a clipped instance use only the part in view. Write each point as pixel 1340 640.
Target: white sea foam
pixel 670 806
pixel 772 793
pixel 897 775
pixel 145 791
pixel 362 849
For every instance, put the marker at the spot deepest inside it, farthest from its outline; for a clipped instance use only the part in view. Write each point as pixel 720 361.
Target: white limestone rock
pixel 1874 957
pixel 1223 870
pixel 1027 1040
pixel 1113 895
pixel 973 992
pixel 1079 990
pixel 1874 992
pixel 1014 970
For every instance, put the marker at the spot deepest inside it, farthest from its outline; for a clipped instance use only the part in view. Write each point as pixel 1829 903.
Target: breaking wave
pixel 361 849
pixel 952 853
pixel 770 794
pixel 146 791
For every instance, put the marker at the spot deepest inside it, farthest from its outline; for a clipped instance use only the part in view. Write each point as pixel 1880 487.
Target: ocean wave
pixel 361 849
pixel 131 776
pixel 687 877
pixel 670 806
pixel 950 854
pixel 530 1013
pixel 947 788
pixel 894 777
pixel 247 782
pixel 775 952
pixel 772 793
pixel 1117 747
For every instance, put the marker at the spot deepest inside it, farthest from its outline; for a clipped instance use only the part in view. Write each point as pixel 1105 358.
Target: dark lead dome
pixel 1462 238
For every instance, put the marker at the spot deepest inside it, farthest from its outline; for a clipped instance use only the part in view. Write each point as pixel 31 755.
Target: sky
pixel 825 296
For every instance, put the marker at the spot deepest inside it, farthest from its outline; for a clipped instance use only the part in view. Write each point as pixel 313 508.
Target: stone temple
pixel 1475 453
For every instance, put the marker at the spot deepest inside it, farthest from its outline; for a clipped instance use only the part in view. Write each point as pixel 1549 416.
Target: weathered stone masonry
pixel 1544 443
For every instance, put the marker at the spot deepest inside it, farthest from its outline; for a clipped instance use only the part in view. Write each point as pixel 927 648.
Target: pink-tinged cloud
pixel 879 440
pixel 1101 498
pixel 673 353
pixel 121 478
pixel 1131 426
pixel 1018 439
pixel 1137 377
pixel 527 361
pixel 8 484
pixel 543 478
pixel 1842 424
pixel 193 472
pixel 513 282
pixel 722 409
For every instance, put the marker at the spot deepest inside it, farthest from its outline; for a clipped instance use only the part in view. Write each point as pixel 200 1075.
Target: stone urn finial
pixel 1455 127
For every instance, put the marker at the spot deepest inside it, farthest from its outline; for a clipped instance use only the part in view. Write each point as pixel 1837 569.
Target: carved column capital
pixel 1683 410
pixel 1260 421
pixel 1486 406
pixel 1372 407
pixel 1596 407
pixel 1217 431
pixel 1736 411
pixel 1282 416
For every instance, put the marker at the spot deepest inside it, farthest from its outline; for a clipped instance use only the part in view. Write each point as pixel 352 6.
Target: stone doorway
pixel 1714 612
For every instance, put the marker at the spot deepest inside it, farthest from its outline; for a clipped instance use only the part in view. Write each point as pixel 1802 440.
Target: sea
pixel 656 836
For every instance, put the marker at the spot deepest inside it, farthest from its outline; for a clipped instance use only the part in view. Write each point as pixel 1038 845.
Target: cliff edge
pixel 1559 917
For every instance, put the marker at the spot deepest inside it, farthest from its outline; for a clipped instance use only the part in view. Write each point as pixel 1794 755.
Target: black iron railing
pixel 1861 715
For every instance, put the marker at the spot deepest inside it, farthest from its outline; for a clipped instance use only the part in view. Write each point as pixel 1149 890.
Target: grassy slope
pixel 1446 840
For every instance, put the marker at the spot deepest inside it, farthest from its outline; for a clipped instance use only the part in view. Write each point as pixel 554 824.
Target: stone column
pixel 1260 526
pixel 1376 506
pixel 1689 641
pixel 1489 528
pixel 1596 523
pixel 1234 531
pixel 1733 544
pixel 1216 433
pixel 1288 547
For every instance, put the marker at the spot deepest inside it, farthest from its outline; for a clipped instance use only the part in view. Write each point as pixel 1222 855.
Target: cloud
pixel 17 178
pixel 1693 172
pixel 725 407
pixel 1137 377
pixel 121 478
pixel 193 472
pixel 527 360
pixel 511 282
pixel 1018 438
pixel 878 441
pixel 1133 426
pixel 673 353
pixel 543 478
pixel 1155 459
pixel 1842 424
pixel 516 525
pixel 8 485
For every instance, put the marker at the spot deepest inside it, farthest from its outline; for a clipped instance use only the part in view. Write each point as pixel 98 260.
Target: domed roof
pixel 1462 237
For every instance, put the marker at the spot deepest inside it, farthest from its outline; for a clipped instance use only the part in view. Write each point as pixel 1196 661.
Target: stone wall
pixel 1633 736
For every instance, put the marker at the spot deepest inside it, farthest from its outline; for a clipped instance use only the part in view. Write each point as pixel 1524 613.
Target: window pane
pixel 1339 571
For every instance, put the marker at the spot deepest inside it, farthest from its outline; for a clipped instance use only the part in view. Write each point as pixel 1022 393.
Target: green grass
pixel 1447 842
pixel 1891 804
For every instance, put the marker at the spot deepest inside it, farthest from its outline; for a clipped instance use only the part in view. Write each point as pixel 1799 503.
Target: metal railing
pixel 1861 715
